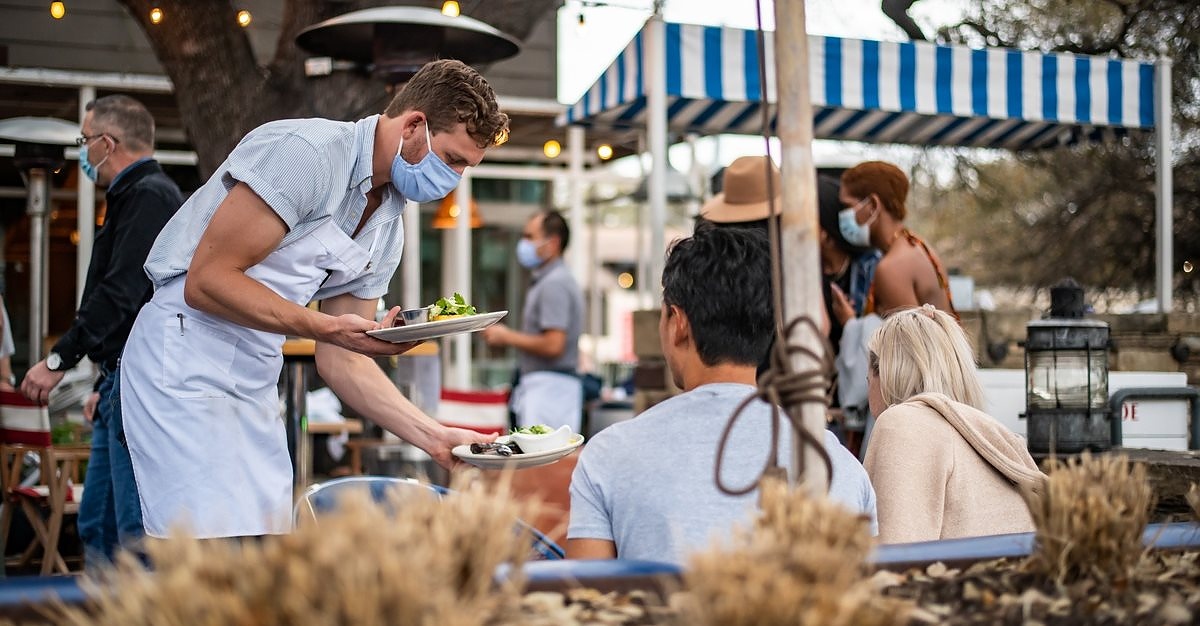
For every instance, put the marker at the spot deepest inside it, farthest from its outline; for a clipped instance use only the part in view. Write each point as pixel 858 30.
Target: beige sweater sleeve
pixel 909 469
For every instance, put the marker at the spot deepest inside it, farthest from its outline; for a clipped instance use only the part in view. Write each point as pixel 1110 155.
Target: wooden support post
pixel 798 219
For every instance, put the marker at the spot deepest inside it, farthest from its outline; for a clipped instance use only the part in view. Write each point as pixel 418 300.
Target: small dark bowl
pixel 412 316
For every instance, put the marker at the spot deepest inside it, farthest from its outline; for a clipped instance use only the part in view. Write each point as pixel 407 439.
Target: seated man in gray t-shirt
pixel 644 489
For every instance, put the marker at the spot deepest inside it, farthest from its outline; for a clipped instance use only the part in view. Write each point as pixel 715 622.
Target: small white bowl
pixel 532 444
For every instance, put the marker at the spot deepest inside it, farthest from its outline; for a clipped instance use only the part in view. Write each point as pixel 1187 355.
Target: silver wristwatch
pixel 54 362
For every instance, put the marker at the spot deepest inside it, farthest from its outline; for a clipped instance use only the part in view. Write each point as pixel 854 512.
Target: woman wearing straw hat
pixel 743 200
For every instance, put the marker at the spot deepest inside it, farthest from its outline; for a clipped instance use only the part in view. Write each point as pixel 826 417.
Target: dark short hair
pixel 126 119
pixel 721 279
pixel 450 92
pixel 554 225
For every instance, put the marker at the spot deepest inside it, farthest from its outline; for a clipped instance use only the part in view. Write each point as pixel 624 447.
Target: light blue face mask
pixel 854 233
pixel 527 254
pixel 89 170
pixel 428 180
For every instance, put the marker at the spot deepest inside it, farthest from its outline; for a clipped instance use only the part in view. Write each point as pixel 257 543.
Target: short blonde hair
pixel 922 349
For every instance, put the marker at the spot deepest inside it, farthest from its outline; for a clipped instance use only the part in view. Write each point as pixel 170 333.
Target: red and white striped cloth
pixel 23 420
pixel 482 411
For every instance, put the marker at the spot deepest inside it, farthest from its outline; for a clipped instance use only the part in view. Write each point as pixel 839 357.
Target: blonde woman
pixel 941 467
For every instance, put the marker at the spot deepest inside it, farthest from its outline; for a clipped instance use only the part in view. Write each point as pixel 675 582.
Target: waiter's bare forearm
pixel 244 301
pixel 243 232
pixel 359 382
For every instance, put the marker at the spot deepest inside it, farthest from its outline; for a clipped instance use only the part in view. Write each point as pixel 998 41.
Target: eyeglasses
pixel 82 140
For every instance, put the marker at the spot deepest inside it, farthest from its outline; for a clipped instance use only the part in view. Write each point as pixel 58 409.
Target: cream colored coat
pixel 942 469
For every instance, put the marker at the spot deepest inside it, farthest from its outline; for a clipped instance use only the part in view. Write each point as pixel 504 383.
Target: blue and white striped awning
pixel 882 92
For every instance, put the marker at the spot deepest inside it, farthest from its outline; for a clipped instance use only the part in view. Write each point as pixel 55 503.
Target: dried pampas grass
pixel 1089 518
pixel 1193 500
pixel 426 562
pixel 803 563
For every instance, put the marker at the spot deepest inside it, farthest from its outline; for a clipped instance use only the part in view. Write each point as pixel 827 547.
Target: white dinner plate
pixel 516 461
pixel 432 330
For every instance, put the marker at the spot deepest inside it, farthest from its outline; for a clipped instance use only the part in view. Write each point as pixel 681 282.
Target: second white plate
pixel 441 328
pixel 516 461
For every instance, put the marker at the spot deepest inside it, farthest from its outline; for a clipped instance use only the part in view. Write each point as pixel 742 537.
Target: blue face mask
pixel 855 234
pixel 527 254
pixel 89 170
pixel 430 179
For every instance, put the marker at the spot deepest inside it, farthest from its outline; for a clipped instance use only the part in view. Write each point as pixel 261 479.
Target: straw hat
pixel 744 192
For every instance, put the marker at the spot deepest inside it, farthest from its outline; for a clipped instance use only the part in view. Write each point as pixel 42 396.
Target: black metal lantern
pixel 1066 378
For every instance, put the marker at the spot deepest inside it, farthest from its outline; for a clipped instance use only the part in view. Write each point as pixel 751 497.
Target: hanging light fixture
pixel 156 15
pixel 551 149
pixel 57 10
pixel 604 151
pixel 450 8
pixel 449 211
pixel 244 18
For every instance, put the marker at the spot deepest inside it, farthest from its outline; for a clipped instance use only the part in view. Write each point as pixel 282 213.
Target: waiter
pixel 301 210
pixel 549 390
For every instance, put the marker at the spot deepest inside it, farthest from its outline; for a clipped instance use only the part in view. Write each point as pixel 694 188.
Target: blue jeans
pixel 110 514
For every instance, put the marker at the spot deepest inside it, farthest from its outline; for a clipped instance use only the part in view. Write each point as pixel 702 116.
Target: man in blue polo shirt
pixel 548 390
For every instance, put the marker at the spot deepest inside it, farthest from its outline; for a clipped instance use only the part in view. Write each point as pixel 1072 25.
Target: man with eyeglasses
pixel 115 153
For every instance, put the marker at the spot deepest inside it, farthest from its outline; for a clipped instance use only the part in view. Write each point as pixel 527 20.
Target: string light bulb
pixel 57 10
pixel 551 149
pixel 450 8
pixel 156 15
pixel 244 18
pixel 604 151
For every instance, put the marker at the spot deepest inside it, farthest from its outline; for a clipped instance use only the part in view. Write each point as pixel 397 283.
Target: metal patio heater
pixel 39 151
pixel 394 42
pixel 1066 377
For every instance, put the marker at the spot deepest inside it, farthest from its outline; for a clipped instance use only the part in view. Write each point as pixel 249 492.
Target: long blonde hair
pixel 922 349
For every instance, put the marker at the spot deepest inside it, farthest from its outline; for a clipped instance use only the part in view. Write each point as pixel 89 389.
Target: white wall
pixel 1161 424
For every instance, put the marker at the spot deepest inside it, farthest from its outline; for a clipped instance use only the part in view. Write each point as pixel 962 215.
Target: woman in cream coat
pixel 941 467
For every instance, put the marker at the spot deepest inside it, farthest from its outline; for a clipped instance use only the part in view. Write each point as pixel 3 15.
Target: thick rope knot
pixel 780 386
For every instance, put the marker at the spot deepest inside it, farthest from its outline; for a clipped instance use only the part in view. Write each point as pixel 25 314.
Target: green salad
pixel 536 429
pixel 456 305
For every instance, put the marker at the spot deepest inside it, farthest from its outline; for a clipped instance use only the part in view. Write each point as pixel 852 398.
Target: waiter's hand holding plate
pixel 447 316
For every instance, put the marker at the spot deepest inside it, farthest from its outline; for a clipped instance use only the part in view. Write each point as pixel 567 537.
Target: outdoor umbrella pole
pixel 798 220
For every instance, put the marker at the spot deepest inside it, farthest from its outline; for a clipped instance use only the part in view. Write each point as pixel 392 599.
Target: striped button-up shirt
pixel 307 171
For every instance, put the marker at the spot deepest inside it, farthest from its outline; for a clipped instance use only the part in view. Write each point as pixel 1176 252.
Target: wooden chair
pixel 25 429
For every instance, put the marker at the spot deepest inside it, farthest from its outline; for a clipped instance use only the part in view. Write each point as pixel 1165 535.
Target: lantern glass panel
pixel 1068 379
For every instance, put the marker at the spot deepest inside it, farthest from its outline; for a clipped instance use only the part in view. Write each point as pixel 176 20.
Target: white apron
pixel 550 398
pixel 201 405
